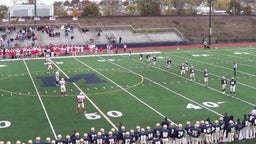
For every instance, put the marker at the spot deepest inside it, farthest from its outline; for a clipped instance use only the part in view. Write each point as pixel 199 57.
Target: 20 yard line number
pixel 207 104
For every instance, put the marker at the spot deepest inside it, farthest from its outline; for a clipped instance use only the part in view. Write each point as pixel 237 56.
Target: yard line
pixel 230 60
pixel 123 88
pixel 108 120
pixel 96 55
pixel 166 88
pixel 220 67
pixel 41 102
pixel 196 82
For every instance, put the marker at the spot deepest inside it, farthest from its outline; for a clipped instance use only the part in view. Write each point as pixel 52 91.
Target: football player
pixel 150 135
pixel 206 75
pixel 126 138
pixel 164 134
pixel 59 139
pixel 154 60
pixel 98 139
pixel 231 131
pixel 192 73
pixel 141 57
pixel 195 134
pixel 111 139
pixel 80 102
pixel 234 68
pixel 142 139
pixel 223 83
pixel 216 132
pixel 148 58
pixel 208 130
pixel 182 69
pixel 168 64
pixel 186 66
pixel 172 130
pixel 86 138
pixel 232 83
pixel 63 87
pixel 49 65
pixel 93 134
pixel 57 77
pixel 180 132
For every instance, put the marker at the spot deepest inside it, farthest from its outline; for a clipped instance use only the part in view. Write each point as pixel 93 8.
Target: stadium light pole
pixel 210 23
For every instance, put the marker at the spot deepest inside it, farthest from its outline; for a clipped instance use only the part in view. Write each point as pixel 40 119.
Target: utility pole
pixel 35 8
pixel 210 23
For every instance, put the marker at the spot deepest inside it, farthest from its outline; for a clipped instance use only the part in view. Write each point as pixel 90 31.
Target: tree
pixel 3 11
pixel 75 13
pixel 222 4
pixel 131 9
pixel 235 7
pixel 91 9
pixel 149 7
pixel 59 11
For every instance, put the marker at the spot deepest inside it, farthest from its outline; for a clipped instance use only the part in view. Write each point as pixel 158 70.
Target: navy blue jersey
pixel 232 82
pixel 143 136
pixel 98 140
pixel 154 58
pixel 157 131
pixel 164 133
pixel 195 132
pixel 208 129
pixel 192 70
pixel 157 141
pixel 169 62
pixel 180 133
pixel 126 140
pixel 188 129
pixel 150 135
pixel 231 128
pixel 206 74
pixel 182 67
pixel 92 136
pixel 120 134
pixel 223 81
pixel 217 127
pixel 172 132
pixel 111 140
pixel 222 125
pixel 76 140
pixel 59 141
pixel 68 141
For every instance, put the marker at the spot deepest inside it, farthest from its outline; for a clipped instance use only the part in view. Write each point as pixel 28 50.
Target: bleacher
pixel 107 35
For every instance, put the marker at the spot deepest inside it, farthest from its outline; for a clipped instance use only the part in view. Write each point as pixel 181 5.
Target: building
pixel 29 10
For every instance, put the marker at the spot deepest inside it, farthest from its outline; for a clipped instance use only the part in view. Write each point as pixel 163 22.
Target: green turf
pixel 134 92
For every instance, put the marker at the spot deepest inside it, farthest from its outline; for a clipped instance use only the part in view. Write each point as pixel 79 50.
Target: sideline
pixel 42 103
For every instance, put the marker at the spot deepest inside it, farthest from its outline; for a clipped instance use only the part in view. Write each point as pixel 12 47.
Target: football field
pixel 122 89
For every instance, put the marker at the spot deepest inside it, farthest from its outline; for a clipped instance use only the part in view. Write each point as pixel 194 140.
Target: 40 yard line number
pixel 207 104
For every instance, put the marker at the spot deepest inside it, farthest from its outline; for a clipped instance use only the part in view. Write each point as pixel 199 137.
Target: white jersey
pixel 80 98
pixel 62 83
pixel 57 75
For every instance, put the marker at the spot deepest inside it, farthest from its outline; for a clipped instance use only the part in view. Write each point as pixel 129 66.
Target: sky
pixel 10 2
